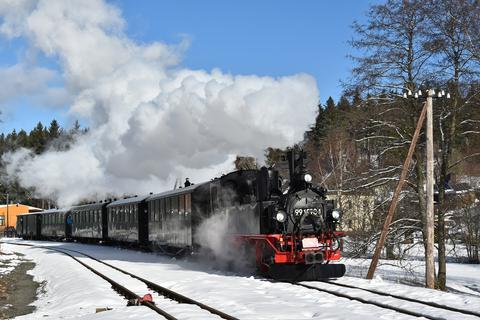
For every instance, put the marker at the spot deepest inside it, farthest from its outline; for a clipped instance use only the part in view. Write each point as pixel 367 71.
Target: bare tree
pixel 455 67
pixel 394 60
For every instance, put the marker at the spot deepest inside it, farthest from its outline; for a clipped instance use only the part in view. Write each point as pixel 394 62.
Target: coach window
pixel 168 208
pixel 181 205
pixel 174 206
pixel 214 200
pixel 149 205
pixel 188 203
pixel 154 210
pixel 157 210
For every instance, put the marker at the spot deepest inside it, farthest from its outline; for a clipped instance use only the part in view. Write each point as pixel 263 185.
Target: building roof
pixel 19 204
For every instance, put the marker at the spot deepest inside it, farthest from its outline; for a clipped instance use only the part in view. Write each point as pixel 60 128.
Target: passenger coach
pixel 89 222
pixel 170 218
pixel 53 224
pixel 127 221
pixel 29 225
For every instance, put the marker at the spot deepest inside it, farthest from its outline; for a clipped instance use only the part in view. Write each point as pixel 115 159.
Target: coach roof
pixel 131 200
pixel 175 192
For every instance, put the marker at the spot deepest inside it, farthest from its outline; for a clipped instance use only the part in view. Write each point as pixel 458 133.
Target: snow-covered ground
pixel 8 262
pixel 72 292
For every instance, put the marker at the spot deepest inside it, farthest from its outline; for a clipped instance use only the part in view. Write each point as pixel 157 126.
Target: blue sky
pixel 273 38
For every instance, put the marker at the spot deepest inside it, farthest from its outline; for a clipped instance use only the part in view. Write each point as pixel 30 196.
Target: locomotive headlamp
pixel 281 216
pixel 336 214
pixel 307 178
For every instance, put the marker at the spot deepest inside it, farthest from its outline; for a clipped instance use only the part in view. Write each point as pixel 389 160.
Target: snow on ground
pixel 72 292
pixel 462 278
pixel 8 261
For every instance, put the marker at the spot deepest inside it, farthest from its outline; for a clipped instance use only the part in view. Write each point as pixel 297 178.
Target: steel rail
pixel 431 304
pixel 162 290
pixel 366 301
pixel 155 287
pixel 128 294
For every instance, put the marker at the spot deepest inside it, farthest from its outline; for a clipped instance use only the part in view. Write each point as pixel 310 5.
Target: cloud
pixel 23 80
pixel 151 120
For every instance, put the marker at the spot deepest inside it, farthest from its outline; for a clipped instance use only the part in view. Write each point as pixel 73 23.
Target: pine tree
pixel 54 131
pixel 37 138
pixel 22 139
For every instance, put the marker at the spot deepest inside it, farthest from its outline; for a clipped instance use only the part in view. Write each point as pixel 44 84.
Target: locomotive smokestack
pixel 296 168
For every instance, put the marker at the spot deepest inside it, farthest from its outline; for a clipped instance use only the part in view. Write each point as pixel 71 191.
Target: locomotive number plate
pixel 310 243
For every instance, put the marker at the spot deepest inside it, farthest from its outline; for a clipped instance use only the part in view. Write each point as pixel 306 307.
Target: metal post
pixel 396 195
pixel 429 218
pixel 7 212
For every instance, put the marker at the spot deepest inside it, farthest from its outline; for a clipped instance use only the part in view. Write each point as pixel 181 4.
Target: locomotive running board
pixel 302 272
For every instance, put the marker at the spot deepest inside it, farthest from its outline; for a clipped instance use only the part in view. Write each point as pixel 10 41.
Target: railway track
pixel 430 309
pixel 129 294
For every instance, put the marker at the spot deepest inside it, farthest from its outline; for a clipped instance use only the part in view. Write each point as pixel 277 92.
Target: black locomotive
pixel 290 230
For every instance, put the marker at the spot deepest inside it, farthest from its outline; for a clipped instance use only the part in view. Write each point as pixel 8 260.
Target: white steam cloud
pixel 150 120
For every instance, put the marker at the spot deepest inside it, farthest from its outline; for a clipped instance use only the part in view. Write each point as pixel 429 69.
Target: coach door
pixel 68 225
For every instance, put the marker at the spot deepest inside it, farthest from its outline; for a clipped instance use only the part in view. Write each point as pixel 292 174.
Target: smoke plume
pixel 151 120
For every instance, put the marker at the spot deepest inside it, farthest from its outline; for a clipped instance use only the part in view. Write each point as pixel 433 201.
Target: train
pixel 288 229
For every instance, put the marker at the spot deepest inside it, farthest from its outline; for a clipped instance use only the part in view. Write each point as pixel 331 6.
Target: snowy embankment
pixel 72 292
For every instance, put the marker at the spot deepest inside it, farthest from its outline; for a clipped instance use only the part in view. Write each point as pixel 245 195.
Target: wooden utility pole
pixel 396 195
pixel 6 226
pixel 429 218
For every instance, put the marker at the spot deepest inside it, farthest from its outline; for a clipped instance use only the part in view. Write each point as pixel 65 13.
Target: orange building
pixel 8 214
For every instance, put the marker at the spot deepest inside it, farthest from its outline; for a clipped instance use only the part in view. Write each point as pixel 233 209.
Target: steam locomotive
pixel 289 230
